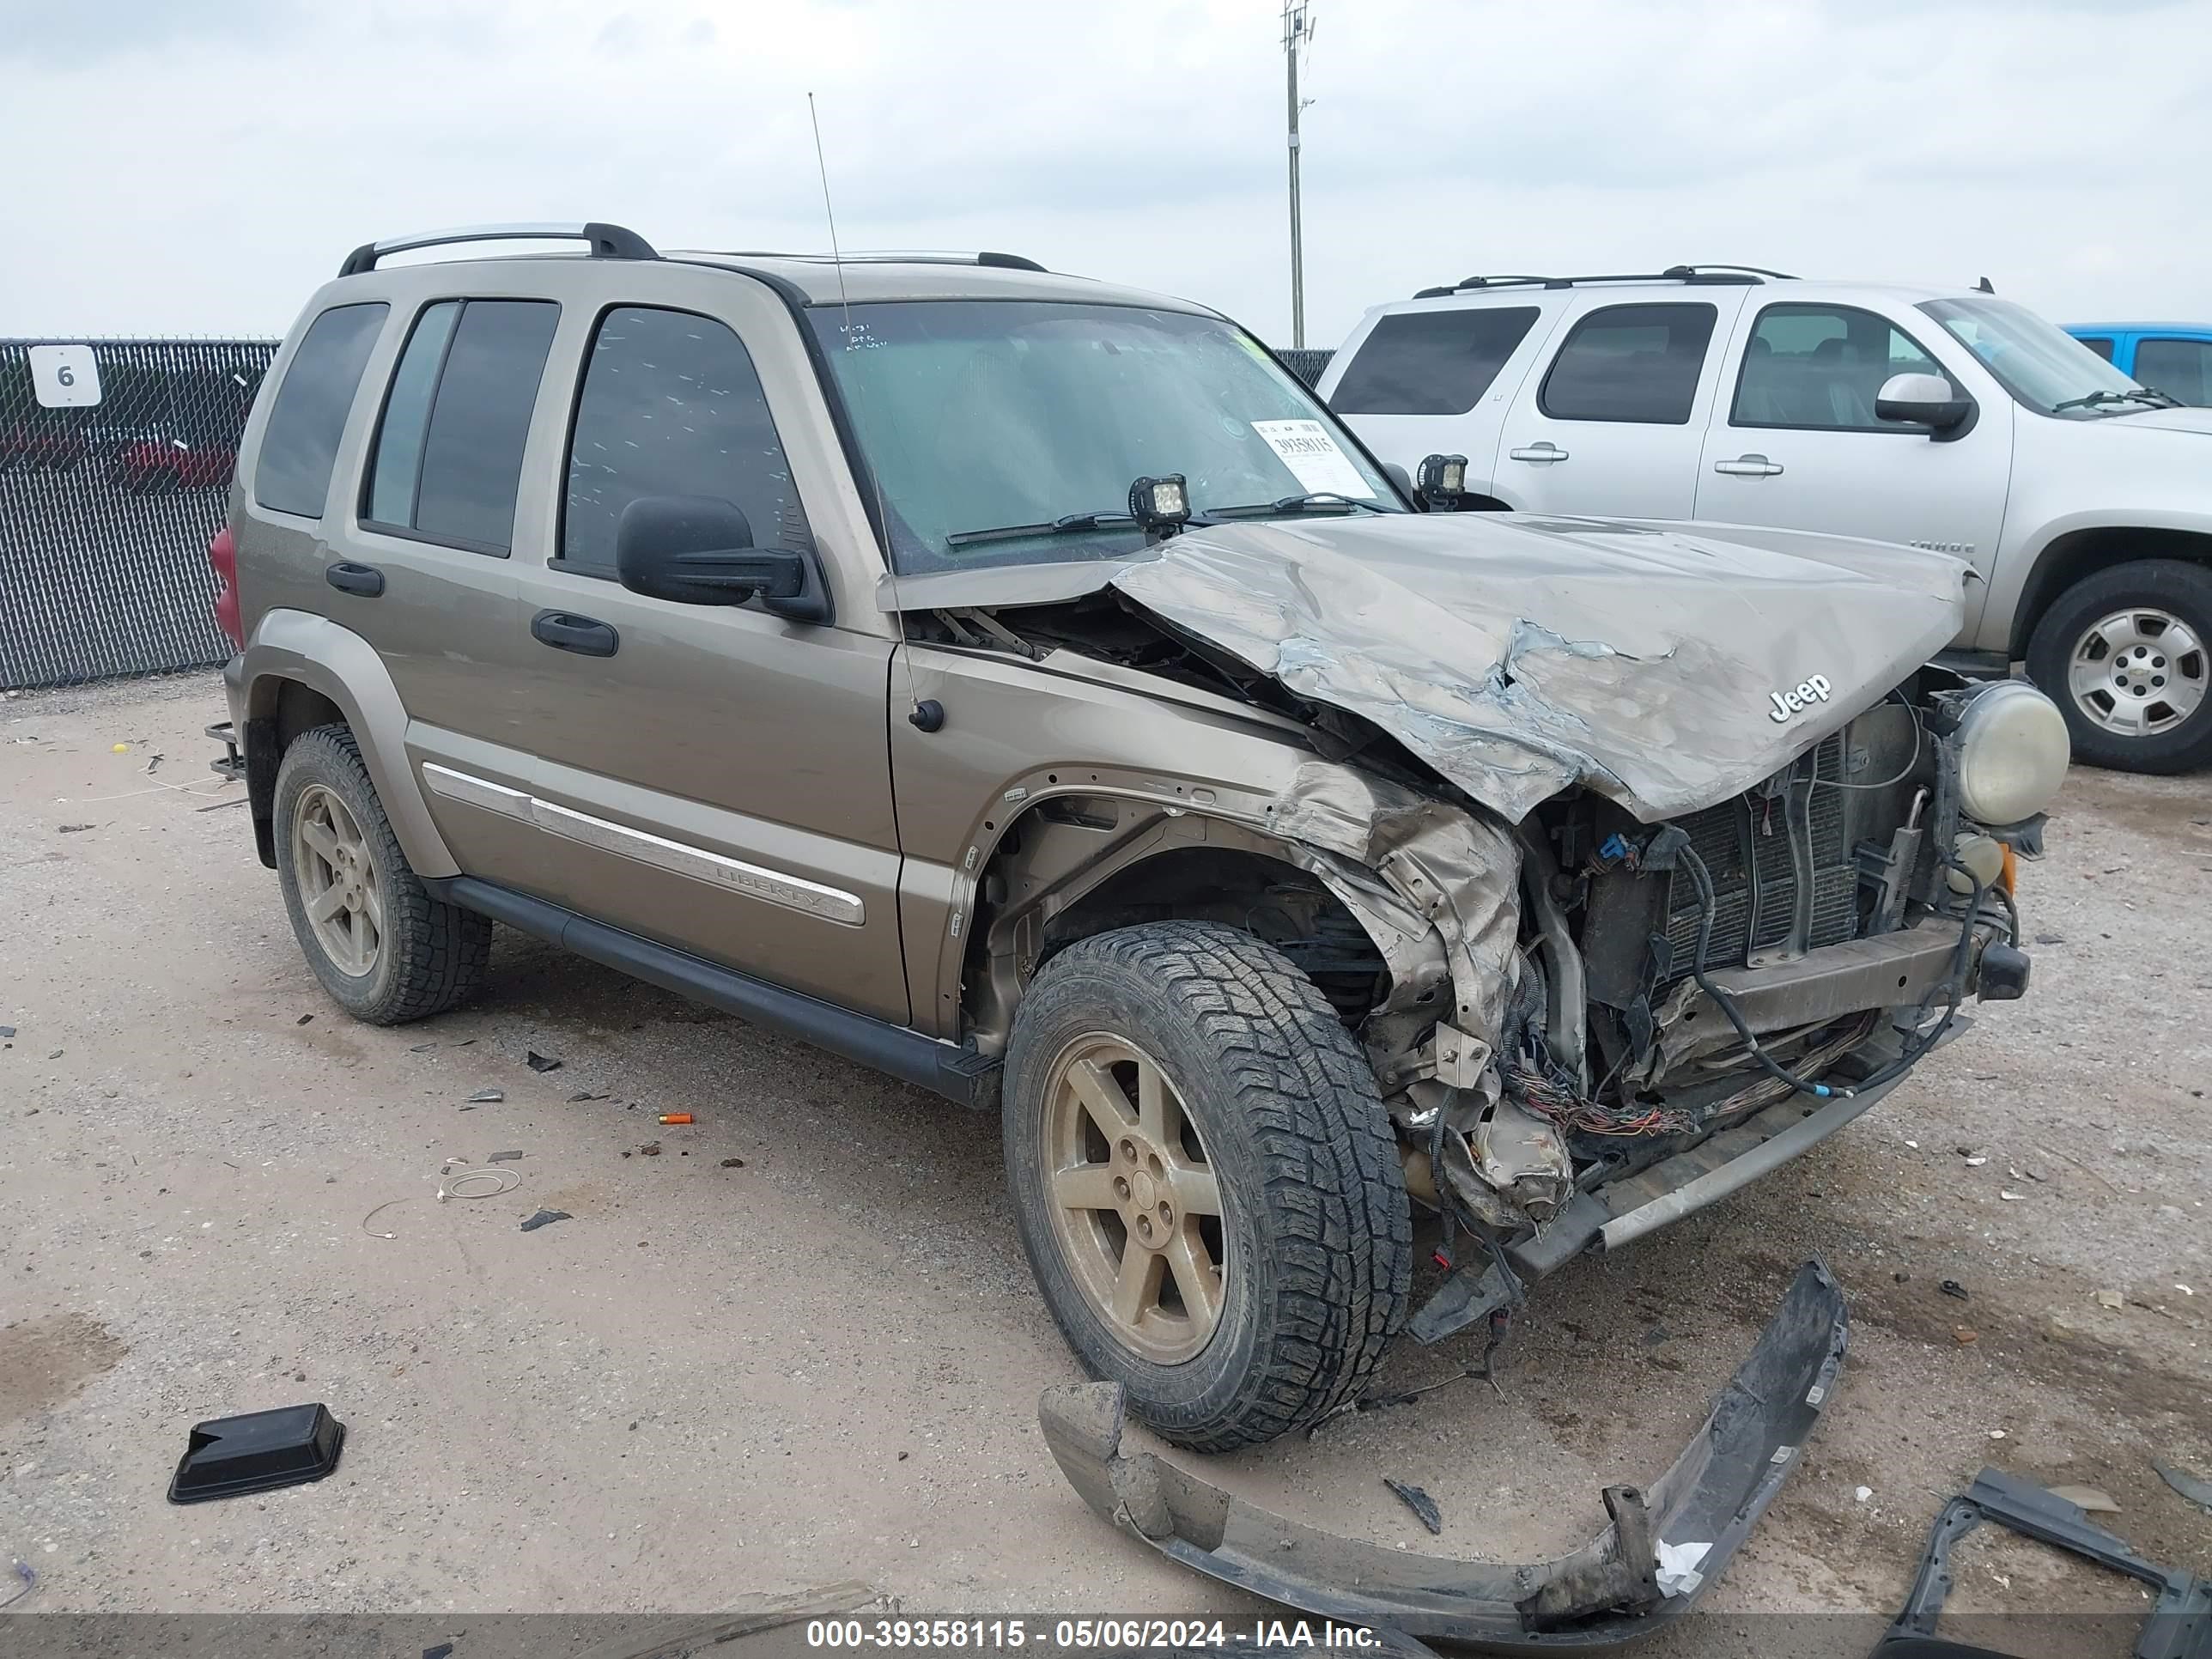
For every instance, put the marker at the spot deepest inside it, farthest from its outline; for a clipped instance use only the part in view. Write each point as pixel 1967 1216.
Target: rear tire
pixel 382 946
pixel 1272 1172
pixel 2126 653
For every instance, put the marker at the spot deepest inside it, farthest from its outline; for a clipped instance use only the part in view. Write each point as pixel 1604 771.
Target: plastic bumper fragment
pixel 1603 1594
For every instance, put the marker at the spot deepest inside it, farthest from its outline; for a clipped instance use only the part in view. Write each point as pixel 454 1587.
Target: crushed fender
pixel 1607 1592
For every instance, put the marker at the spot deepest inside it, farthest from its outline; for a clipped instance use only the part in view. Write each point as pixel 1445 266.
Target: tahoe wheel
pixel 1205 1180
pixel 2127 654
pixel 382 946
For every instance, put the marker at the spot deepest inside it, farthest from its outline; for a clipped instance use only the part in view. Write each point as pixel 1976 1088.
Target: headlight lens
pixel 2013 750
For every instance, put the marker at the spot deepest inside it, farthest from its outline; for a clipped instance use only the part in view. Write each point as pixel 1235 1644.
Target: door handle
pixel 1541 453
pixel 348 577
pixel 565 631
pixel 1748 466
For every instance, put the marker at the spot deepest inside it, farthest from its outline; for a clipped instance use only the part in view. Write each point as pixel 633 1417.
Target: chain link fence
pixel 115 464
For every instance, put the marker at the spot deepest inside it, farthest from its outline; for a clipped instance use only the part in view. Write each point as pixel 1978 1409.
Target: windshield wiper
pixel 1067 524
pixel 2150 395
pixel 1319 498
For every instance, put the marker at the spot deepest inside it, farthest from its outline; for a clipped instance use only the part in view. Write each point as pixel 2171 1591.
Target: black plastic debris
pixel 443 1650
pixel 1423 1506
pixel 303 1019
pixel 504 1157
pixel 2180 1622
pixel 7 1030
pixel 1952 1287
pixel 487 1096
pixel 543 1062
pixel 546 1218
pixel 587 1094
pixel 77 829
pixel 258 1451
pixel 2195 1488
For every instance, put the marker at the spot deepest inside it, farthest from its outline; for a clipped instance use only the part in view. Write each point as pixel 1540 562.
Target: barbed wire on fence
pixel 108 501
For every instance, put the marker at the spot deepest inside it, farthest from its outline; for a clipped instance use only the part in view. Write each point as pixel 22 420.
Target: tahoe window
pixel 448 456
pixel 672 405
pixel 1638 362
pixel 301 443
pixel 1009 432
pixel 2180 367
pixel 1823 366
pixel 1430 362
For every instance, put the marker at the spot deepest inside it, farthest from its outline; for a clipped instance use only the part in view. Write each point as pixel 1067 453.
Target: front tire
pixel 1205 1180
pixel 2126 653
pixel 385 951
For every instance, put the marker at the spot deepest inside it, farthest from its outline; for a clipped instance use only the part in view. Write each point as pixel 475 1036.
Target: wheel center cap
pixel 1143 1193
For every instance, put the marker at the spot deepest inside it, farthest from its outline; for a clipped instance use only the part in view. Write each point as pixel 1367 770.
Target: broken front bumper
pixel 1603 1594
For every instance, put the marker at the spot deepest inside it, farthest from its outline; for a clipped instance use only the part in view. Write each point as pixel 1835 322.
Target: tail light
pixel 223 554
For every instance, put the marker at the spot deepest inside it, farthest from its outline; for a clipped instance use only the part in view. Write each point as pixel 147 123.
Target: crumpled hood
pixel 1522 655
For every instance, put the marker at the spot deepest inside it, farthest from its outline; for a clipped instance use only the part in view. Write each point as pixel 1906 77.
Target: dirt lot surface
pixel 823 1362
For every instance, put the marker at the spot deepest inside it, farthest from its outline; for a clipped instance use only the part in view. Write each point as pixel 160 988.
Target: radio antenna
pixel 882 520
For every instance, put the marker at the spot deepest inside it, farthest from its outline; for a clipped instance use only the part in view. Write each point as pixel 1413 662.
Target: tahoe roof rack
pixel 894 257
pixel 608 241
pixel 1672 274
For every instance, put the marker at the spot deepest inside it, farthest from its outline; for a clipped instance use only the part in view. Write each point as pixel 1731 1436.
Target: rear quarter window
pixel 1431 362
pixel 300 446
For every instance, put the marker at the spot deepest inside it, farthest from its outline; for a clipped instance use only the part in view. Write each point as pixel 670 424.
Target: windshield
pixel 1006 416
pixel 2041 365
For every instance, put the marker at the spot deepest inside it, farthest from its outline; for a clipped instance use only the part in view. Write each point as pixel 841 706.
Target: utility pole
pixel 1297 30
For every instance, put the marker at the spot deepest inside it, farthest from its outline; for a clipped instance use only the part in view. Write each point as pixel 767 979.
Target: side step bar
pixel 957 1072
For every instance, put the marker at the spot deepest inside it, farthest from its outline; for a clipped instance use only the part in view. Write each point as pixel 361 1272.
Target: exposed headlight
pixel 2013 750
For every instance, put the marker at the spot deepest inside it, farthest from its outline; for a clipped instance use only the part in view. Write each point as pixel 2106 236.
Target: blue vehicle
pixel 2175 357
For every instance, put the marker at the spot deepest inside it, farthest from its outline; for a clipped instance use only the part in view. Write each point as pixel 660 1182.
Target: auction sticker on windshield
pixel 1314 457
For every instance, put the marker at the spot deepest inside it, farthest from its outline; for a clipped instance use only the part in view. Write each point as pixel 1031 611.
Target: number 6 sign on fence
pixel 65 376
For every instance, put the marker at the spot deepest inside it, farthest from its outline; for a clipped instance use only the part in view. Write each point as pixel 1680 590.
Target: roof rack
pixel 608 241
pixel 1732 274
pixel 892 256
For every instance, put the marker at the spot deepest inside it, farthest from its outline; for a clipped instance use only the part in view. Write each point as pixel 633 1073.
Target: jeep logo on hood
pixel 1808 691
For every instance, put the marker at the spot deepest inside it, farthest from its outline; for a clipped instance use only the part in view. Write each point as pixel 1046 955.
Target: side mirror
pixel 1922 400
pixel 698 549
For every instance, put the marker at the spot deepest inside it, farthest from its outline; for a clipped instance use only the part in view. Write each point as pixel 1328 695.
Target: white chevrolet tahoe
pixel 1944 419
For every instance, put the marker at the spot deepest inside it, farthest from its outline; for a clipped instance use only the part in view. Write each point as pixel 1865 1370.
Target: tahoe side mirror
pixel 698 549
pixel 1922 400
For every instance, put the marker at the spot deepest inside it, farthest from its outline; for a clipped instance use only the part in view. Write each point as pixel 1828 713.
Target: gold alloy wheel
pixel 1134 1203
pixel 337 878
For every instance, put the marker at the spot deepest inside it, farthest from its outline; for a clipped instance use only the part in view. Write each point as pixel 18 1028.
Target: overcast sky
pixel 199 166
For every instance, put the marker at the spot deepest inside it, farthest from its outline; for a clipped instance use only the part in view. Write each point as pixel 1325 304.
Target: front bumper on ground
pixel 1604 1594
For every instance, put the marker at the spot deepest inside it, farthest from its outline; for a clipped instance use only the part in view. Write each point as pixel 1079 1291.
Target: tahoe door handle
pixel 1540 453
pixel 1748 466
pixel 348 577
pixel 565 631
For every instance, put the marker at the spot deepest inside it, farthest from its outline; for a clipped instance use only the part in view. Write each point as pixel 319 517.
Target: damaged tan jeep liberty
pixel 1024 686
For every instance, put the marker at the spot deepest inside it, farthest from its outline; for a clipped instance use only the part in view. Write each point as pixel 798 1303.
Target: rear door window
pixel 1431 362
pixel 2181 369
pixel 1632 362
pixel 451 475
pixel 672 405
pixel 301 444
pixel 2101 344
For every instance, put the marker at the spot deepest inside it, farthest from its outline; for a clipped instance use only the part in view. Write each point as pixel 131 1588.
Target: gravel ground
pixel 823 1361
